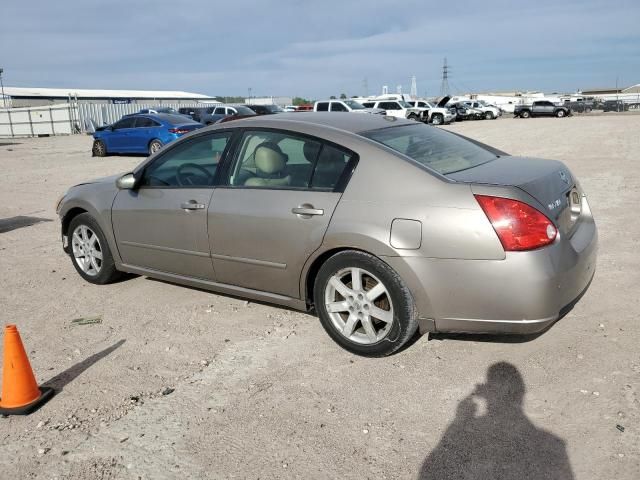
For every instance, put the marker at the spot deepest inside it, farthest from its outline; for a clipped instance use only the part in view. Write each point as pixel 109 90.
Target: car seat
pixel 270 164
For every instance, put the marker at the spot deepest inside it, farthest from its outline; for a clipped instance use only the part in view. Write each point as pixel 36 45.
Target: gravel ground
pixel 181 383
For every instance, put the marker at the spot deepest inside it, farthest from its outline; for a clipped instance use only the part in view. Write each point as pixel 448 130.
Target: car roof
pixel 353 123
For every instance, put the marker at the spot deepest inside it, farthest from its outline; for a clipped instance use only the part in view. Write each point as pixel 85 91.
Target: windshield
pixel 274 108
pixel 432 147
pixel 244 111
pixel 175 119
pixel 353 104
pixel 404 104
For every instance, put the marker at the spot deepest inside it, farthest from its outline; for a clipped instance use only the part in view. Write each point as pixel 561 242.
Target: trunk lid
pixel 548 181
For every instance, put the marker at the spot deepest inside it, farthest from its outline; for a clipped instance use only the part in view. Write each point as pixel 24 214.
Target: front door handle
pixel 307 210
pixel 192 205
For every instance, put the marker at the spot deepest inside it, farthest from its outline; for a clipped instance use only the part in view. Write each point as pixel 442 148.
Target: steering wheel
pixel 184 179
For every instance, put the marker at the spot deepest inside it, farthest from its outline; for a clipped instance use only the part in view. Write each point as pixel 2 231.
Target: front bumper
pixel 524 293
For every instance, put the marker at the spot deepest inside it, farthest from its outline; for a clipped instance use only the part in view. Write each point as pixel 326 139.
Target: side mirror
pixel 126 182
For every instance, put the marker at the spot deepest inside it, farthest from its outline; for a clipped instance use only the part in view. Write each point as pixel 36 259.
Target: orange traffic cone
pixel 20 392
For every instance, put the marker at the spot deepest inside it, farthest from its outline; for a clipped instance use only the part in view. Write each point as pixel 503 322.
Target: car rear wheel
pixel 154 146
pixel 90 252
pixel 364 305
pixel 488 116
pixel 437 119
pixel 99 149
pixel 560 113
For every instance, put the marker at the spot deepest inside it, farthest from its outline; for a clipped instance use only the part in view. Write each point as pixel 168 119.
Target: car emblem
pixel 563 177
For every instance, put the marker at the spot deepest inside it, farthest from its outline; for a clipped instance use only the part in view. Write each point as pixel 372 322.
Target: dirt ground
pixel 181 383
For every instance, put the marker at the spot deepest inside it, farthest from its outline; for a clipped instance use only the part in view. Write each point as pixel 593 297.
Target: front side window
pixel 277 160
pixel 219 111
pixel 190 164
pixel 369 104
pixel 338 107
pixel 353 105
pixel 431 147
pixel 128 122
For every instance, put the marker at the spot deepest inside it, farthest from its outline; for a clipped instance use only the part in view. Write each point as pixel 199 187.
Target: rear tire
pixel 437 119
pixel 364 305
pixel 99 149
pixel 89 251
pixel 154 146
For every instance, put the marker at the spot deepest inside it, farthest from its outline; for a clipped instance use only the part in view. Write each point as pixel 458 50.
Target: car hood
pixel 443 101
pixel 102 180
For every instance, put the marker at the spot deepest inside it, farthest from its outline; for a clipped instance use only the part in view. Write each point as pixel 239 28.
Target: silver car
pixel 382 225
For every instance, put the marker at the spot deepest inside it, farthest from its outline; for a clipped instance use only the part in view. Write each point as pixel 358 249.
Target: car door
pixel 120 139
pixel 274 208
pixel 145 130
pixel 162 224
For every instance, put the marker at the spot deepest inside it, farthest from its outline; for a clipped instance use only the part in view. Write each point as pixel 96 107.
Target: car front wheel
pixel 560 113
pixel 90 252
pixel 99 149
pixel 364 305
pixel 437 119
pixel 488 116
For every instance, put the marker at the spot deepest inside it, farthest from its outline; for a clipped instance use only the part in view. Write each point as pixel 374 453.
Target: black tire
pixel 108 272
pixel 437 119
pixel 413 116
pixel 525 114
pixel 154 146
pixel 488 116
pixel 560 113
pixel 405 317
pixel 99 149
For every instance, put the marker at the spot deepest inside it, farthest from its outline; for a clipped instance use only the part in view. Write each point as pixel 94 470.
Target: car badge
pixel 563 177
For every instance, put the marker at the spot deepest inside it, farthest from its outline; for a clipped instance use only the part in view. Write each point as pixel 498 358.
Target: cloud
pixel 317 49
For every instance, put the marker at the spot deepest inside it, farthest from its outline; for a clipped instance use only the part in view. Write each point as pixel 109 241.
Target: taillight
pixel 178 130
pixel 518 225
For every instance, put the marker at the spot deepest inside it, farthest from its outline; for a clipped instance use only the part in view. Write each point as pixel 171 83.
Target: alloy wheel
pixel 87 251
pixel 359 305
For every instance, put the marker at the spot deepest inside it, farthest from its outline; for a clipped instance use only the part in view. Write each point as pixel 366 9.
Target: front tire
pixel 99 149
pixel 525 114
pixel 413 116
pixel 89 251
pixel 364 305
pixel 437 119
pixel 488 116
pixel 154 146
pixel 560 113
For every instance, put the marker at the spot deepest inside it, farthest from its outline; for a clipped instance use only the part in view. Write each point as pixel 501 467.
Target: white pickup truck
pixel 438 115
pixel 346 105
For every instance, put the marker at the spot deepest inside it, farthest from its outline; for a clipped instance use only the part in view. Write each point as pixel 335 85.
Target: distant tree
pixel 343 96
pixel 332 97
pixel 301 101
pixel 231 99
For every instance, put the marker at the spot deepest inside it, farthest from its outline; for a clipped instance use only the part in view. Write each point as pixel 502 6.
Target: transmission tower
pixel 414 87
pixel 444 88
pixel 365 85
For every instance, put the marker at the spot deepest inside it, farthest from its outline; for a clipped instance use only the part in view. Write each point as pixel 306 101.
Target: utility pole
pixel 4 99
pixel 365 85
pixel 249 95
pixel 414 87
pixel 444 87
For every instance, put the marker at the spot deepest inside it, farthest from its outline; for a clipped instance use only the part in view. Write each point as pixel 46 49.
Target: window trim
pixel 229 160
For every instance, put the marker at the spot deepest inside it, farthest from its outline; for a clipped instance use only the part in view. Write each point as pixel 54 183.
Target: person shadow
pixel 501 444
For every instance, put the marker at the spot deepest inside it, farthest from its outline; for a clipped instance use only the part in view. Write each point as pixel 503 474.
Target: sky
pixel 315 49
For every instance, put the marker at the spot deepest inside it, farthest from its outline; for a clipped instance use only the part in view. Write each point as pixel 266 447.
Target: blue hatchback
pixel 141 133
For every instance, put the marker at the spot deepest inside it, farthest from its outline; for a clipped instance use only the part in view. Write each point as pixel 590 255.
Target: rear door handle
pixel 307 210
pixel 192 205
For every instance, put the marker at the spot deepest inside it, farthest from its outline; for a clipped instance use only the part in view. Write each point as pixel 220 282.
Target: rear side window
pixel 128 122
pixel 338 107
pixel 144 122
pixel 368 104
pixel 219 111
pixel 323 107
pixel 431 147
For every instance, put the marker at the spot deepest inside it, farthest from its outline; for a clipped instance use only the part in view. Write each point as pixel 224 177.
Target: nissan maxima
pixel 380 225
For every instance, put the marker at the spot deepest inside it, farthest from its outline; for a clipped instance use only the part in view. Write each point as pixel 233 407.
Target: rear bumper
pixel 524 293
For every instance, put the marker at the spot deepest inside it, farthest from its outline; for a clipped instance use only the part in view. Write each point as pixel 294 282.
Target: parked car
pixel 381 225
pixel 580 106
pixel 438 115
pixel 347 105
pixel 209 117
pixel 141 133
pixel 465 112
pixel 615 106
pixel 290 108
pixel 541 108
pixel 488 112
pixel 265 109
pixel 399 109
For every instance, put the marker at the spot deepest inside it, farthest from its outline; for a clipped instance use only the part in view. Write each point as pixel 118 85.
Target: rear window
pixel 434 148
pixel 175 119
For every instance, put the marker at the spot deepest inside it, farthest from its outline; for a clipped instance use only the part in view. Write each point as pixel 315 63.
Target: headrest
pixel 310 151
pixel 269 158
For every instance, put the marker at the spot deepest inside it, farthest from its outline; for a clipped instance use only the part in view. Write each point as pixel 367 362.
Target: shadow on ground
pixel 501 444
pixel 62 379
